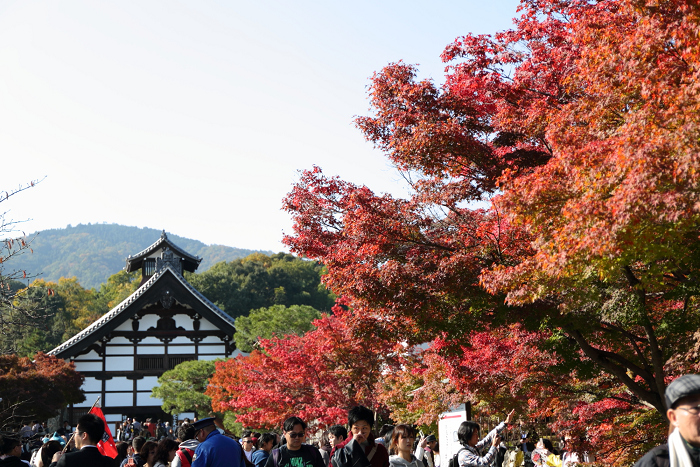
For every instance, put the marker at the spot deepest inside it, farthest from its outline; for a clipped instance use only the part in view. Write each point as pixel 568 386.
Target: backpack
pixel 185 456
pixel 454 462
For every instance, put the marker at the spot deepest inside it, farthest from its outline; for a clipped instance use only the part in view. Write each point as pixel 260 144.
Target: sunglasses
pixel 296 435
pixel 247 442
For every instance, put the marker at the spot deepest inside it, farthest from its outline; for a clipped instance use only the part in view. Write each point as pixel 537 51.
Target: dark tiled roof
pixel 133 262
pixel 117 310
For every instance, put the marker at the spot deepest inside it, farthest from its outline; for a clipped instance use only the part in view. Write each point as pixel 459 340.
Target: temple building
pixel 163 323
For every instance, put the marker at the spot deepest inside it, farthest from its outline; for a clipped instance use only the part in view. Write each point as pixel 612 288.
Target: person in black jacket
pixel 11 450
pixel 360 449
pixel 87 434
pixel 683 402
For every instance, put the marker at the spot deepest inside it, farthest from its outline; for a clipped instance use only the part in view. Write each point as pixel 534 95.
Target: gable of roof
pixel 190 262
pixel 136 301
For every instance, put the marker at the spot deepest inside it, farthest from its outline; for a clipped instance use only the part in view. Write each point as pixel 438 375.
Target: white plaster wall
pixel 184 321
pixel 215 349
pixel 145 399
pixel 111 419
pixel 91 355
pixel 148 321
pixel 91 366
pixel 89 400
pixel 147 383
pixel 184 349
pixel 181 340
pixel 125 326
pixel 148 340
pixel 211 340
pixel 92 384
pixel 120 339
pixel 205 325
pixel 119 363
pixel 111 350
pixel 119 383
pixel 118 399
pixel 151 350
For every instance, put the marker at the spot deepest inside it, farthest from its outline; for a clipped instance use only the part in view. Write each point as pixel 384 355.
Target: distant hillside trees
pixel 63 308
pixel 94 252
pixel 282 281
pixel 15 315
pixel 259 281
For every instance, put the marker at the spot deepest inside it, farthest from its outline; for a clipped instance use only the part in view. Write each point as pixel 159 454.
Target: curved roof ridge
pixel 114 312
pixel 194 260
pixel 218 311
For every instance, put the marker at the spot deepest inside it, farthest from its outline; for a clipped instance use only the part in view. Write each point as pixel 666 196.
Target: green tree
pixel 182 388
pixel 15 317
pixel 259 280
pixel 118 287
pixel 25 334
pixel 63 308
pixel 279 320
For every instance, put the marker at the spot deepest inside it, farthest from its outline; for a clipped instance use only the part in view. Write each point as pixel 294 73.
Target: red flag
pixel 106 445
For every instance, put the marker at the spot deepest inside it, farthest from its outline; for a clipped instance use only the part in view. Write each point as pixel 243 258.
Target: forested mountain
pixel 93 252
pixel 284 292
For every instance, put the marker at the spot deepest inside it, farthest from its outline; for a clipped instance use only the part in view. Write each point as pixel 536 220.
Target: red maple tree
pixel 36 390
pixel 317 376
pixel 579 126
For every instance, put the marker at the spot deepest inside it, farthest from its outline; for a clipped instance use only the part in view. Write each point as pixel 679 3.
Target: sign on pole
pixel 448 424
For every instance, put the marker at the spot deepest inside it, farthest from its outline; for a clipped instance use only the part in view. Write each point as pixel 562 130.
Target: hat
pixel 56 437
pixel 203 423
pixel 430 438
pixel 686 385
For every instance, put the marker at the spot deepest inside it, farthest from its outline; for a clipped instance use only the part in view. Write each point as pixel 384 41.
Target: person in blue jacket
pixel 215 449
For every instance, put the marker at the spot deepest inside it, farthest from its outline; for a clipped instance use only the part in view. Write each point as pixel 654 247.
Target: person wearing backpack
pixel 471 454
pixel 295 453
pixel 185 451
pixel 267 441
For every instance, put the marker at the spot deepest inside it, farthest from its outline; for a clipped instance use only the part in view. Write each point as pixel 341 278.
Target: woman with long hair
pixel 148 453
pixel 165 452
pixel 402 445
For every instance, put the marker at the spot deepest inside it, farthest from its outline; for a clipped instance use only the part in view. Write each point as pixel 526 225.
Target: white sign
pixel 448 424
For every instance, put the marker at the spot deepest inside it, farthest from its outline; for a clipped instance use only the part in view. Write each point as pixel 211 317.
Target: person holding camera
pixel 468 435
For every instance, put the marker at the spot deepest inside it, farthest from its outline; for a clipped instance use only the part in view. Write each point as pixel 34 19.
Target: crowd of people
pixel 200 443
pixel 205 443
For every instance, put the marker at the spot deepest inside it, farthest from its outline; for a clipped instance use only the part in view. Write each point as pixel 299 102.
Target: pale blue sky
pixel 195 116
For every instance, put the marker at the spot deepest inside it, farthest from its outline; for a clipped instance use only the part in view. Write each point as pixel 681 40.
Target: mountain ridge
pixel 93 252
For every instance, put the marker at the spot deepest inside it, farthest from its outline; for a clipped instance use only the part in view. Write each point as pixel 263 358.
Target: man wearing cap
pixel 683 448
pixel 248 444
pixel 215 449
pixel 428 444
